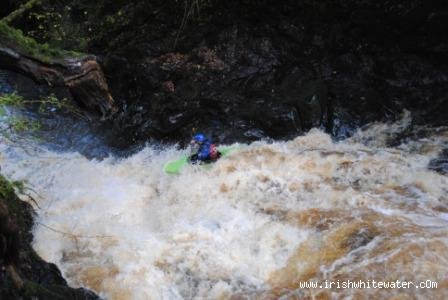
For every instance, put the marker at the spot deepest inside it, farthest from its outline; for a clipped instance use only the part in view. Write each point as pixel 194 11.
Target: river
pixel 257 224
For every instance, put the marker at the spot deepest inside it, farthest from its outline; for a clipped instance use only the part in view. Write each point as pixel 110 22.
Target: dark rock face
pixel 276 69
pixel 244 70
pixel 440 164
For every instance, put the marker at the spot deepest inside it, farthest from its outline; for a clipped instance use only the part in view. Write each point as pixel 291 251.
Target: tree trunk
pixel 82 76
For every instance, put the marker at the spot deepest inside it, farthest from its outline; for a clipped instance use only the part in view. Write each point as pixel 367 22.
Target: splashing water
pixel 255 225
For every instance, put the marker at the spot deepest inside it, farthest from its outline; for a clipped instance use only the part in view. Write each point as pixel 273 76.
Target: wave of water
pixel 254 225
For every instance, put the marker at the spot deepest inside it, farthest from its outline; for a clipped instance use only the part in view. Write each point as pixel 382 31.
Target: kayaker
pixel 203 149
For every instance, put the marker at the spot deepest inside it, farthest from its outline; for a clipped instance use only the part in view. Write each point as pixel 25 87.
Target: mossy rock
pixel 16 40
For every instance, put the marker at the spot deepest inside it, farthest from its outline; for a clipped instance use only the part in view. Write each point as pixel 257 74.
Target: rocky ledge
pixel 254 69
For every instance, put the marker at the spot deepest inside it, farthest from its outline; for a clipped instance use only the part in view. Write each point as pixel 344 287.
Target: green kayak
pixel 175 166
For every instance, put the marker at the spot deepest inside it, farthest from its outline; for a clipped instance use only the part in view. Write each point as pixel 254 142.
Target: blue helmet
pixel 199 137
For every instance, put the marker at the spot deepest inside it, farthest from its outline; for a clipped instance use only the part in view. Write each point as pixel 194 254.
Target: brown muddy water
pixel 254 226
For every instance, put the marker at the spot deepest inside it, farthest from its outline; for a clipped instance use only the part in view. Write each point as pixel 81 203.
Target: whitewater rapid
pixel 256 224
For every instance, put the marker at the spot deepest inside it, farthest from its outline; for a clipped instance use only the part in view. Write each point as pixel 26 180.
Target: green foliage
pixel 11 99
pixel 8 195
pixel 72 24
pixel 15 39
pixel 18 124
pixel 15 123
pixel 111 25
pixel 50 103
pixel 8 188
pixel 23 7
pixel 54 25
pixel 46 105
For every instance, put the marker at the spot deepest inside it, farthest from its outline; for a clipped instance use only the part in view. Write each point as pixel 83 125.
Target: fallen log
pixel 80 74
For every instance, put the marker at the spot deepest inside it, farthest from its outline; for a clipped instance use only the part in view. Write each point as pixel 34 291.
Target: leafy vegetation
pixel 51 103
pixel 11 99
pixel 84 25
pixel 25 6
pixel 8 188
pixel 21 124
pixel 28 46
pixel 55 25
pixel 45 105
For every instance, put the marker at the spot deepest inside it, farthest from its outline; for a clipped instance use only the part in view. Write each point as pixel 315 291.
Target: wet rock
pixel 440 164
pixel 360 238
pixel 246 70
pixel 9 237
pixel 306 65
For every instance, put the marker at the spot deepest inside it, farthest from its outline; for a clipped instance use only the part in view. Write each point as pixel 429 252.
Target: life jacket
pixel 213 152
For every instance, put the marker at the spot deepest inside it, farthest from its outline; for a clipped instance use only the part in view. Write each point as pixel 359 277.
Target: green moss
pixel 8 196
pixel 11 99
pixel 17 124
pixel 15 39
pixel 8 191
pixel 46 105
pixel 23 125
pixel 7 188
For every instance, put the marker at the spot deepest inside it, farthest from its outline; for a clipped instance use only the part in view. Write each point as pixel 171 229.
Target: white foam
pixel 205 233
